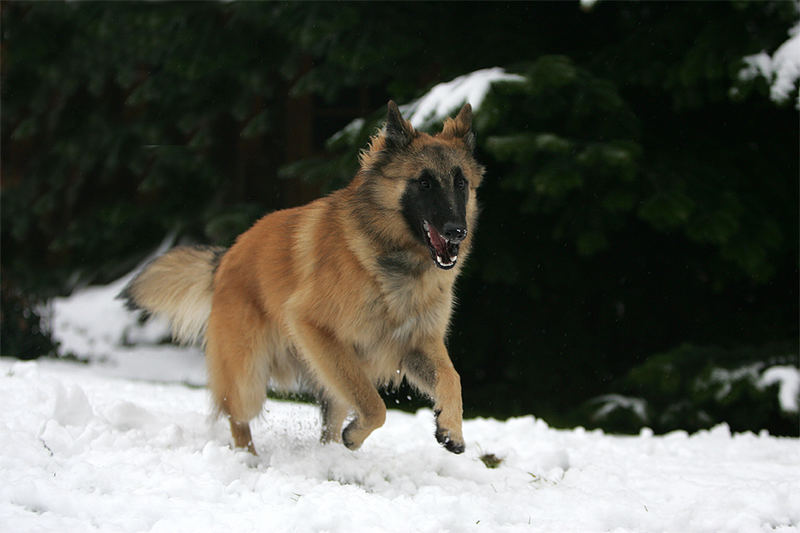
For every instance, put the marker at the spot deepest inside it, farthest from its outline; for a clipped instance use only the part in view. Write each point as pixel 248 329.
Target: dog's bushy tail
pixel 178 286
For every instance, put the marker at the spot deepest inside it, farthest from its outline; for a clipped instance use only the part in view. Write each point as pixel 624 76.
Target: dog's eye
pixel 424 181
pixel 459 182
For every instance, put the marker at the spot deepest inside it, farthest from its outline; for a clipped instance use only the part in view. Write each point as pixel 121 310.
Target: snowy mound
pixel 81 452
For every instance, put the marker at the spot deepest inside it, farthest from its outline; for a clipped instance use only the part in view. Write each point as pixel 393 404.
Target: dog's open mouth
pixel 443 251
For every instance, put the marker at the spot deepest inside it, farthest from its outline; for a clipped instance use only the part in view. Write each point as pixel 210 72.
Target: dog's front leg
pixel 431 371
pixel 336 367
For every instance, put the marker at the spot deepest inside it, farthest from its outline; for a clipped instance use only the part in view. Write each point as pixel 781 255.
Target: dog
pixel 341 296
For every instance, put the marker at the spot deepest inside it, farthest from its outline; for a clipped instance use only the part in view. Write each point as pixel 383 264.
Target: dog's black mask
pixel 435 208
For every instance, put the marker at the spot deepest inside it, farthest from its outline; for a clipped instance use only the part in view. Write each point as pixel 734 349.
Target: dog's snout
pixel 454 232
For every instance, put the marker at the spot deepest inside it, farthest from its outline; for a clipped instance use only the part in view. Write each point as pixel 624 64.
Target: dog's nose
pixel 454 232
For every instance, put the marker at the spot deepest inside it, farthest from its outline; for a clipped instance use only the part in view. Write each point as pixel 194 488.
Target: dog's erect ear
pixel 398 132
pixel 461 127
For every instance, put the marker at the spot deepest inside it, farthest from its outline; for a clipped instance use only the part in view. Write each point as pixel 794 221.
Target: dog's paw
pixel 443 436
pixel 348 438
pixel 451 445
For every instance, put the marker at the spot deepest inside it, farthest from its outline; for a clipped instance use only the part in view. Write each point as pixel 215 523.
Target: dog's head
pixel 429 180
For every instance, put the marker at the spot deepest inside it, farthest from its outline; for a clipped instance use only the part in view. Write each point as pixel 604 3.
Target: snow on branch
pixel 781 69
pixel 441 101
pixel 788 380
pixel 445 98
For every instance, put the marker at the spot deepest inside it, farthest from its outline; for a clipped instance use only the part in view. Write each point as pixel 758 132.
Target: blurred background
pixel 636 262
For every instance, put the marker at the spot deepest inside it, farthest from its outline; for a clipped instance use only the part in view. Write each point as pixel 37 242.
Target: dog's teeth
pixel 444 263
pixel 453 259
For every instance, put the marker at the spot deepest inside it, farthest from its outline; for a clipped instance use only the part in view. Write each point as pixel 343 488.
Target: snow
pixel 788 379
pixel 761 376
pixel 123 444
pixel 781 70
pixel 86 452
pixel 611 402
pixel 442 100
pixel 445 98
pixel 725 378
pixel 348 132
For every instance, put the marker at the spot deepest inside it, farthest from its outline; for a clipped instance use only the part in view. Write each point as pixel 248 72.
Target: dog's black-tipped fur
pixel 128 299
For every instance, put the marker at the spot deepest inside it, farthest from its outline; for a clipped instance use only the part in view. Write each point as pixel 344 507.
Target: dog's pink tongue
pixel 438 243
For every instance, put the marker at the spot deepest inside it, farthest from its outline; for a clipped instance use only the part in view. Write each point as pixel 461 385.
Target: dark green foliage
pixel 567 146
pixel 122 123
pixel 692 388
pixel 22 330
pixel 638 194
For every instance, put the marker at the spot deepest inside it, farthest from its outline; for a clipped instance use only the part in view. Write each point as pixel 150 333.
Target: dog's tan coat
pixel 302 296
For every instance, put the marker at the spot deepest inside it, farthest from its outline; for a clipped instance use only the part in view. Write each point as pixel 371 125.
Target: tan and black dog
pixel 345 294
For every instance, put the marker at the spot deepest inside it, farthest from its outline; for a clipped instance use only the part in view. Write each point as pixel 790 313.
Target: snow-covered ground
pixel 84 452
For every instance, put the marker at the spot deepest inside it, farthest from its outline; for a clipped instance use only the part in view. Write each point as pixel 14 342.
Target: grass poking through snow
pixel 491 460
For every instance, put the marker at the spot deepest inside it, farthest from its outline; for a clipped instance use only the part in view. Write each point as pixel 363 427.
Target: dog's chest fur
pixel 414 299
pixel 403 311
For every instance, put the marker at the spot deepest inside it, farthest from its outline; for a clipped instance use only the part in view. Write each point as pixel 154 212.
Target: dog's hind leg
pixel 242 438
pixel 333 414
pixel 432 372
pixel 237 368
